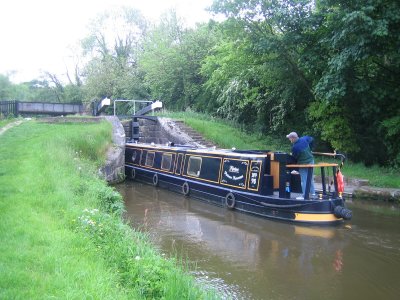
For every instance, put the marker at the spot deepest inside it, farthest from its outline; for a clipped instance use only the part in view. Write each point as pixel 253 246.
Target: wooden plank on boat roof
pixel 248 155
pixel 156 147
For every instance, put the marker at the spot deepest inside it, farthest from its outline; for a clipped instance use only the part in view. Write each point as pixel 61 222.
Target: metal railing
pixel 9 108
pixel 134 103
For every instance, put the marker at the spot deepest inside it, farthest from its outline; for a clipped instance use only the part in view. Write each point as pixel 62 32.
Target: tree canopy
pixel 327 68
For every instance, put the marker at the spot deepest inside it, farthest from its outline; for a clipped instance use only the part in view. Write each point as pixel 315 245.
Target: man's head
pixel 293 137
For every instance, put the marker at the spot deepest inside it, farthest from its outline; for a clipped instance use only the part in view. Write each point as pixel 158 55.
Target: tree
pixel 5 88
pixel 272 37
pixel 171 60
pixel 336 61
pixel 111 70
pixel 361 78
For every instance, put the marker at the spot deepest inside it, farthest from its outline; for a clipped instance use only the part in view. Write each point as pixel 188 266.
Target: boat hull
pixel 319 212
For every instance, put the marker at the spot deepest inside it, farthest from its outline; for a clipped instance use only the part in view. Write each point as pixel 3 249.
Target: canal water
pixel 246 257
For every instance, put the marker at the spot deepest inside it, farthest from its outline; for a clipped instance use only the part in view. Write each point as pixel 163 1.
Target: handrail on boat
pixel 334 155
pixel 312 165
pixel 309 175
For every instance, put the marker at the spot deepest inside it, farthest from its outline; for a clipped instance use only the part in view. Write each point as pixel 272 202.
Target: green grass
pixel 61 230
pixel 377 176
pixel 5 121
pixel 226 135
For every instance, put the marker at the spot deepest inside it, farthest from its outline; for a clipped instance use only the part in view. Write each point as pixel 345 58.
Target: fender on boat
pixel 155 179
pixel 342 212
pixel 230 200
pixel 186 188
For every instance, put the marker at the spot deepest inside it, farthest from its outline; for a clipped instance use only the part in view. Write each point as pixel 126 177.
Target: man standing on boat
pixel 301 150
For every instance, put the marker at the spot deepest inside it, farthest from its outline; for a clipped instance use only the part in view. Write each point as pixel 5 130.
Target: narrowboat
pixel 262 183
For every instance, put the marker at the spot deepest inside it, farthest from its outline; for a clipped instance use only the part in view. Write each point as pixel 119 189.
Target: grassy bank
pixel 61 230
pixel 226 135
pixel 5 121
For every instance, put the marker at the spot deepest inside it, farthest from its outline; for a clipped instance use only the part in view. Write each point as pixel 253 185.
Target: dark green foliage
pixel 391 130
pixel 48 89
pixel 361 75
pixel 328 68
pixel 266 46
pixel 171 60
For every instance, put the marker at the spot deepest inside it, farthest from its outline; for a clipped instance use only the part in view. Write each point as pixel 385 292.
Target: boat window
pixel 178 165
pixel 166 161
pixel 136 154
pixel 194 166
pixel 150 159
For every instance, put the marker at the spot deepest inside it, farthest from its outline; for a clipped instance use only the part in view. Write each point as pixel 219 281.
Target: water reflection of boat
pixel 238 239
pixel 256 182
pixel 317 232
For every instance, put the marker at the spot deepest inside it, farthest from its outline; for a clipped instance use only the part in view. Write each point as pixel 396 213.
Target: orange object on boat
pixel 340 181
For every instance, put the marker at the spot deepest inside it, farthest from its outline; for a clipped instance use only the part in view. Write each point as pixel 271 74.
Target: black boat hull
pixel 320 212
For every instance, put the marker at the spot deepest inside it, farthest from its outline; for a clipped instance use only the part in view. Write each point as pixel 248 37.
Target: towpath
pixel 10 125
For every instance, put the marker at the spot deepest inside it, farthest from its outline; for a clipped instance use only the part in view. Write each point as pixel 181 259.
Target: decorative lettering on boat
pixel 226 174
pixel 233 169
pixel 234 172
pixel 254 178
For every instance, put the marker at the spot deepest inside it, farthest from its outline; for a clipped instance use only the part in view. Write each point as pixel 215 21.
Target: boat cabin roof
pixel 212 150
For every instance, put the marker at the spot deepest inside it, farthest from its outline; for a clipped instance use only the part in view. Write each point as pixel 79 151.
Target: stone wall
pixel 158 131
pixel 150 131
pixel 377 194
pixel 114 169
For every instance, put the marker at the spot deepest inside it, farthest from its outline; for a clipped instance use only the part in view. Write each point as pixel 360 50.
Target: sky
pixel 40 35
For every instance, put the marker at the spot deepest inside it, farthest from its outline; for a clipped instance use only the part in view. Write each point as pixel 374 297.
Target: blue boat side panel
pixel 234 172
pixel 201 167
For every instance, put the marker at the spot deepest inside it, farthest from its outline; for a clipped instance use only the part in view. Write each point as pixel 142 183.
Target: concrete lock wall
pixel 160 131
pixel 151 132
pixel 114 169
